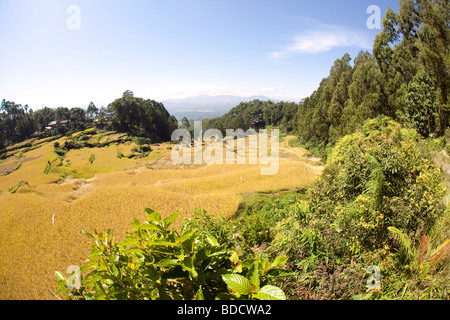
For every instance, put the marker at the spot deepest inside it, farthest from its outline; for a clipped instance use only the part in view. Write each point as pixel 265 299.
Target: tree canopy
pixel 142 118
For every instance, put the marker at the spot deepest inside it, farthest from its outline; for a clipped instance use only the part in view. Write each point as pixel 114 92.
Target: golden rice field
pixel 40 222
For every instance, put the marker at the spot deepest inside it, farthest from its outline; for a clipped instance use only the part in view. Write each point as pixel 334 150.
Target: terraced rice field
pixel 40 222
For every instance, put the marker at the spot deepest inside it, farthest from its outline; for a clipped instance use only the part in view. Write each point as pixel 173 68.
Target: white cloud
pixel 323 39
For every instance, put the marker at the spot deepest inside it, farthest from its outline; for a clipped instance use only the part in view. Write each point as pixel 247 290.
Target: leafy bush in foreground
pixel 155 263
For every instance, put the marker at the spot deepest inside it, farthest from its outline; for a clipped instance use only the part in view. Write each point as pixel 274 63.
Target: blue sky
pixel 173 49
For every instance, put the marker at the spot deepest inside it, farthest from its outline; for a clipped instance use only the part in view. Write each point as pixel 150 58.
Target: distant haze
pixel 202 107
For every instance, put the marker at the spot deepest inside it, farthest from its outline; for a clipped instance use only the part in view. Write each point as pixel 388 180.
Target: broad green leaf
pixel 167 263
pixel 187 240
pixel 188 266
pixel 199 294
pixel 279 261
pixel 129 241
pixel 115 270
pixel 150 226
pixel 212 240
pixel 88 234
pixel 61 289
pixel 84 268
pixel 269 292
pixel 200 255
pixel 237 267
pixel 187 235
pixel 168 221
pixel 265 265
pixel 134 250
pixel 164 243
pixel 237 283
pixel 153 215
pixel 253 276
pixel 136 224
pixel 60 276
pixel 234 258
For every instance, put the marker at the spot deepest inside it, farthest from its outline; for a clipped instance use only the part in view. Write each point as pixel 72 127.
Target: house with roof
pixel 56 124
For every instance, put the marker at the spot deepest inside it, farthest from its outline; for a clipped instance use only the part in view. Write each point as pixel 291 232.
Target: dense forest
pixel 406 78
pixel 256 114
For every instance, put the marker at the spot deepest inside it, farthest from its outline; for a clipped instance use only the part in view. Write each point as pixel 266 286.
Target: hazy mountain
pixel 201 107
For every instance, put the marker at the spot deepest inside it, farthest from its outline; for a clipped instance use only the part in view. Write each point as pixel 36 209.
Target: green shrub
pixel 378 178
pixel 208 224
pixel 156 263
pixel 17 186
pixel 254 230
pixel 61 151
pixel 47 167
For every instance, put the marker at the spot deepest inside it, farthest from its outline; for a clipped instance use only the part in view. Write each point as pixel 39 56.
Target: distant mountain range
pixel 202 107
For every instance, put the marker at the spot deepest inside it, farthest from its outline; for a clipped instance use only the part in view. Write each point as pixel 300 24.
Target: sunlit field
pixel 40 220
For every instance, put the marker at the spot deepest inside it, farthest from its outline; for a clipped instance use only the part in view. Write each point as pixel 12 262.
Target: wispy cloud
pixel 322 39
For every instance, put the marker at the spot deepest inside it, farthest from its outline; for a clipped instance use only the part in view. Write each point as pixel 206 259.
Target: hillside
pixel 358 208
pixel 202 107
pixel 42 234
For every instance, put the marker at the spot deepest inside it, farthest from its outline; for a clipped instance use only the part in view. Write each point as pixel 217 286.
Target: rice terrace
pixel 231 150
pixel 41 220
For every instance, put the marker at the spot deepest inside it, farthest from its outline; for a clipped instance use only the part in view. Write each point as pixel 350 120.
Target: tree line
pixel 257 115
pixel 406 77
pixel 129 114
pixel 18 122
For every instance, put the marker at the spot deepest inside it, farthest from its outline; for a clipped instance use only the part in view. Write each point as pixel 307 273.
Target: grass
pixel 109 194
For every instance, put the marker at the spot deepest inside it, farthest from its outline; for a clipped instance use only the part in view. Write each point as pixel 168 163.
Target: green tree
pixel 142 118
pixel 43 117
pixel 421 104
pixel 434 38
pixel 78 118
pixel 62 113
pixel 16 122
pixel 185 123
pixel 92 110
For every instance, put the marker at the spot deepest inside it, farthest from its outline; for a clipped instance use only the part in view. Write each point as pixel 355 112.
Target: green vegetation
pixel 142 118
pixel 406 78
pixel 129 114
pixel 256 115
pixel 379 202
pixel 154 262
pixel 47 167
pixel 380 124
pixel 17 186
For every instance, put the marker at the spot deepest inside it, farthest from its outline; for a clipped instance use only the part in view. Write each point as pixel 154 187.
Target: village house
pixel 57 124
